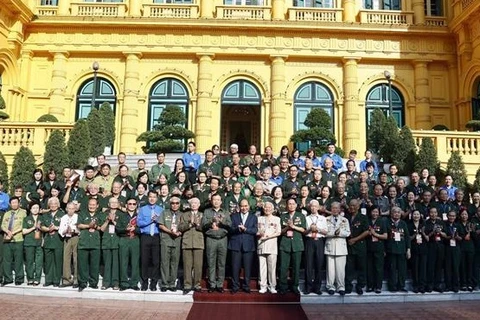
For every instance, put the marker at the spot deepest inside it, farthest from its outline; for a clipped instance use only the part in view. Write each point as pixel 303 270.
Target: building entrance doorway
pixel 240 116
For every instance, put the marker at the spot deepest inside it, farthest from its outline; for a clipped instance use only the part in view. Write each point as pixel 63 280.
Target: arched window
pixel 98 93
pixel 311 95
pixel 434 7
pixel 241 92
pixel 378 97
pixel 476 101
pixel 164 92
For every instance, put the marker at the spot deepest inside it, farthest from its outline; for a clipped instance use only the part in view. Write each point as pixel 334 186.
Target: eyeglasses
pixel 174 202
pixel 132 204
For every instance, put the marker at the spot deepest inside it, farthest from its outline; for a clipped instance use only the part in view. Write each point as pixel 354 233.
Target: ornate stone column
pixel 278 112
pixel 349 11
pixel 206 9
pixel 25 72
pixel 134 8
pixel 351 110
pixel 203 116
pixel 59 80
pixel 64 7
pixel 128 127
pixel 422 95
pixel 418 11
pixel 278 9
pixel 454 97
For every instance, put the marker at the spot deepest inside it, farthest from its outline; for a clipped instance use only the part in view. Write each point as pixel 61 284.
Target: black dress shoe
pixel 378 291
pixel 75 286
pixel 331 292
pixel 341 292
pixel 348 291
pixel 55 285
pixel 220 290
pixel 172 289
pixel 136 288
pixel 94 287
pixel 359 291
pixel 234 291
pixel 123 288
pixel 186 291
pixel 210 290
pixel 163 289
pixel 18 283
pixel 247 290
pixel 153 288
pixel 80 288
pixel 403 290
pixel 319 292
pixel 45 284
pixel 369 289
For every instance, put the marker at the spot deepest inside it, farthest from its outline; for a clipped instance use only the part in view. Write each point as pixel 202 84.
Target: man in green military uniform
pixel 216 224
pixel 209 167
pixel 89 222
pixel 110 245
pixel 129 246
pixel 170 244
pixel 291 245
pixel 159 168
pixel 12 226
pixel 32 245
pixel 52 243
pixel 398 250
pixel 192 246
pixel 357 248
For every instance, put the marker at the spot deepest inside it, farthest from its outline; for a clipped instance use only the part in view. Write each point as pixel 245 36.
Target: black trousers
pixel 237 257
pixel 150 257
pixel 435 264
pixel 314 257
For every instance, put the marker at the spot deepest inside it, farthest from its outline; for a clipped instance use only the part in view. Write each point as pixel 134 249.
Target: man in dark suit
pixel 242 244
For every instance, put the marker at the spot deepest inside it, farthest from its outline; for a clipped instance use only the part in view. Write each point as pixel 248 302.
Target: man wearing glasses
pixel 129 244
pixel 148 218
pixel 170 243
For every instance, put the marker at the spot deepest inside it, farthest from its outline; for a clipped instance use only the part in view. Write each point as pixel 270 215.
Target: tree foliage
pixel 456 168
pixel 97 133
pixel 108 116
pixel 3 114
pixel 405 152
pixel 22 167
pixel 55 156
pixel 4 172
pixel 47 118
pixel 376 131
pixel 79 145
pixel 476 183
pixel 169 134
pixel 319 132
pixel 427 157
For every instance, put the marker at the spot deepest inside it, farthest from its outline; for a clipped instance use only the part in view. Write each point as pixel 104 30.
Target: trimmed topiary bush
pixel 79 144
pixel 22 167
pixel 55 156
pixel 47 118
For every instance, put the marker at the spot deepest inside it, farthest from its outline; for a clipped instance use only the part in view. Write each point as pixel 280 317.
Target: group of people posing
pixel 235 215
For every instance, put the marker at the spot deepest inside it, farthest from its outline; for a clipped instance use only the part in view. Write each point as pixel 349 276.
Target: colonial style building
pixel 244 71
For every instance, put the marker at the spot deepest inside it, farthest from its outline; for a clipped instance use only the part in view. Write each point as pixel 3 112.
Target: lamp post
pixel 388 76
pixel 95 67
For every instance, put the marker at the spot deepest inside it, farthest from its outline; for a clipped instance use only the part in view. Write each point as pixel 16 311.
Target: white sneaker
pixel 263 290
pixel 272 290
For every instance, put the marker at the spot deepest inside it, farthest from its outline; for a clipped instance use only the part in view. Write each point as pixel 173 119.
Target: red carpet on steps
pixel 244 306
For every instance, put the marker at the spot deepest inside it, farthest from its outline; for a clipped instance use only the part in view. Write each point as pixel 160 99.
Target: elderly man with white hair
pixel 314 248
pixel 338 229
pixel 269 229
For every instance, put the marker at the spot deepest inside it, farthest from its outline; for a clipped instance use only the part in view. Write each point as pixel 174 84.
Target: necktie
pixel 152 226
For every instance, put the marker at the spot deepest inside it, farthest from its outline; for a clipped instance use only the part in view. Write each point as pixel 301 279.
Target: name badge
pixel 329 184
pixel 438 238
pixel 290 233
pixel 419 239
pixel 374 239
pixel 363 211
pixel 396 236
pixel 444 216
pixel 111 229
pixel 453 243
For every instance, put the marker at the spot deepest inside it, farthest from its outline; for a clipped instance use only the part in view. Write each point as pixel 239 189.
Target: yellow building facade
pixel 243 70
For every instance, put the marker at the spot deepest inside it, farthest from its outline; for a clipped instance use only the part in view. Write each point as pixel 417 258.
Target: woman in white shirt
pixel 269 229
